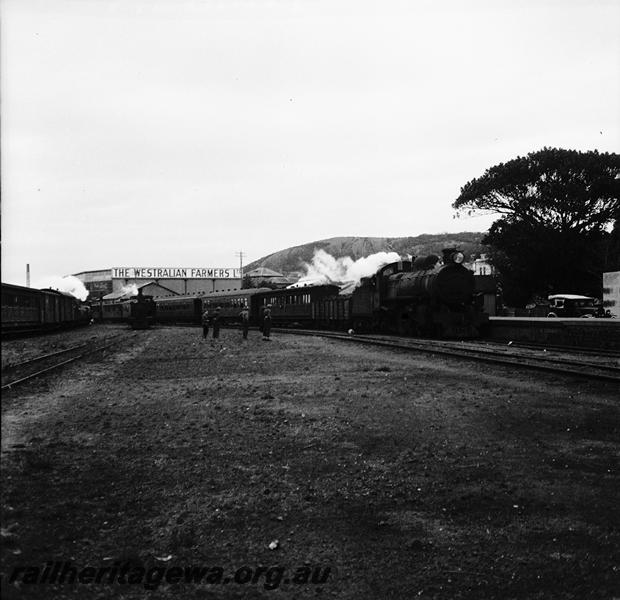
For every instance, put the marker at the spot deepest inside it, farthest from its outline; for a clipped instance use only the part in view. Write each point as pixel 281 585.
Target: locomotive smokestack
pixel 27 274
pixel 452 256
pixel 447 255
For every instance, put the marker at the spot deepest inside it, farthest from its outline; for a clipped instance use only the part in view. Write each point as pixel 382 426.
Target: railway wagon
pixel 231 303
pixel 295 306
pixel 116 312
pixel 333 312
pixel 29 309
pixel 21 308
pixel 178 309
pixel 189 309
pixel 60 309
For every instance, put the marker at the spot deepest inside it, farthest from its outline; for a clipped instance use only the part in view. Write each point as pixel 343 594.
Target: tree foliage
pixel 538 260
pixel 563 189
pixel 556 207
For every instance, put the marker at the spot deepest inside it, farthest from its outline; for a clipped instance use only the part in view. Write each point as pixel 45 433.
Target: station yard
pixel 373 473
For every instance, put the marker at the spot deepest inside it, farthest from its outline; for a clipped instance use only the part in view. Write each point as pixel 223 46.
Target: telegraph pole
pixel 240 254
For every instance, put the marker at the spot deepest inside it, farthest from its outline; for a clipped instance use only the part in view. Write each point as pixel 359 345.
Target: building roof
pixel 125 295
pixel 263 272
pixel 239 293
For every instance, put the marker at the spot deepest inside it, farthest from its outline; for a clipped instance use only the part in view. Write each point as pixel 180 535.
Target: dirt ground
pixel 16 350
pixel 306 468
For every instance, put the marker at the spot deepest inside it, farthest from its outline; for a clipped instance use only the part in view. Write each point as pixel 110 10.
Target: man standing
pixel 205 324
pixel 267 322
pixel 245 321
pixel 216 323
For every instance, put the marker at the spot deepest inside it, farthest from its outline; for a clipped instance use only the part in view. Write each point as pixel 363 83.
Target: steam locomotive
pixel 142 311
pixel 426 297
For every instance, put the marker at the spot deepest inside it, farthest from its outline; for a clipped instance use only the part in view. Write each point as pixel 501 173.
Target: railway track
pixel 510 355
pixel 569 349
pixel 17 373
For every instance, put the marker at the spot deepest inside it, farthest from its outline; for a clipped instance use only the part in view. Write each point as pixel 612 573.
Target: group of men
pixel 214 319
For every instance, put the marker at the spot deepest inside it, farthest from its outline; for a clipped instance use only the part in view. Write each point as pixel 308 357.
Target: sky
pixel 181 132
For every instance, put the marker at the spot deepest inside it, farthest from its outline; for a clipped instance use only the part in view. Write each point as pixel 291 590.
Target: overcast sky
pixel 178 132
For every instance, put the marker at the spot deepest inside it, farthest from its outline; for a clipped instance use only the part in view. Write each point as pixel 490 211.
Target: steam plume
pixel 68 284
pixel 325 268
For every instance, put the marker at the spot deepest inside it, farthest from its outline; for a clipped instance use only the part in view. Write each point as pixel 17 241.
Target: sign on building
pixel 175 273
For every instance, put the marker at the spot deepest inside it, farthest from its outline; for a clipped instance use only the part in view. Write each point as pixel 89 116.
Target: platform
pixel 601 334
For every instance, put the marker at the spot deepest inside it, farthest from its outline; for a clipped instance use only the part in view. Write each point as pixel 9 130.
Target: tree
pixel 557 206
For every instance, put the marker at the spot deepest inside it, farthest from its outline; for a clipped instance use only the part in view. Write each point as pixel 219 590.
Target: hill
pixel 292 260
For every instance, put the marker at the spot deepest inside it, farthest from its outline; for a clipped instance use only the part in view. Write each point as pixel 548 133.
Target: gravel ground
pixel 379 473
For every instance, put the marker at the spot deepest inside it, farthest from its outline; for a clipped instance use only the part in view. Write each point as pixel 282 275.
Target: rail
pixel 502 354
pixel 12 374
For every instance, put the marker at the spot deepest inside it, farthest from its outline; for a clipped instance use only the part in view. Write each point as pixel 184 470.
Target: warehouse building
pixel 168 281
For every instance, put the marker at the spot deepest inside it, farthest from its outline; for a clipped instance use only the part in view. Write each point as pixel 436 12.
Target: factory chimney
pixel 27 274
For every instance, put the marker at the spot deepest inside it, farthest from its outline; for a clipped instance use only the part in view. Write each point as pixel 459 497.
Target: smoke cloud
pixel 325 268
pixel 68 284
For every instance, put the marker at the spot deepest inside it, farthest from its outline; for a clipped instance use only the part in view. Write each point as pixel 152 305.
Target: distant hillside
pixel 292 259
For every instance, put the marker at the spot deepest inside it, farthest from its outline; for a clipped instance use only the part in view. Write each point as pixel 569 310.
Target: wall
pixel 611 292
